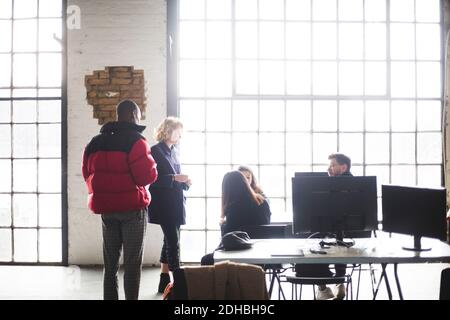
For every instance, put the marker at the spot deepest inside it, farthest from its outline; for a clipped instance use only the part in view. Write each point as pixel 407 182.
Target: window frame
pixel 63 144
pixel 174 98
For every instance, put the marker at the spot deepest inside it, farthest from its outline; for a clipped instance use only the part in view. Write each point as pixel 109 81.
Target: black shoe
pixel 164 280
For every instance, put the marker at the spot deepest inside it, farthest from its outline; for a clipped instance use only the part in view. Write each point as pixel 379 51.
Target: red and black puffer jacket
pixel 117 167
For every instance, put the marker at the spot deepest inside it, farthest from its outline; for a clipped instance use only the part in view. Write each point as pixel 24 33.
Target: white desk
pixel 373 250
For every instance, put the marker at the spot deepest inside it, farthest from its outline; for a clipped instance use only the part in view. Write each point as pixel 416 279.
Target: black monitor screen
pixel 414 211
pixel 334 204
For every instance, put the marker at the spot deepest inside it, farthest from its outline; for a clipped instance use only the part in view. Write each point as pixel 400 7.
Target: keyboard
pixel 288 252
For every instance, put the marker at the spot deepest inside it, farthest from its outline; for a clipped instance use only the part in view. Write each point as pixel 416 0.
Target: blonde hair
pixel 166 127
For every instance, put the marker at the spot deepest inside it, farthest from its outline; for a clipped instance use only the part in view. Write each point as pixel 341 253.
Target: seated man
pixel 339 166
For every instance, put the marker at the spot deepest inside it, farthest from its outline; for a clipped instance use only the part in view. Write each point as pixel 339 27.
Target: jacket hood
pixel 117 126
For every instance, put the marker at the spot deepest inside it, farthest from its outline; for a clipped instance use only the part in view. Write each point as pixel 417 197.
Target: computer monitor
pixel 419 212
pixel 334 204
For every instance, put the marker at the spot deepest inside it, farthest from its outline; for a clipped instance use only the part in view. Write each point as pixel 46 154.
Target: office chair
pixel 222 281
pixel 268 231
pixel 309 279
pixel 314 281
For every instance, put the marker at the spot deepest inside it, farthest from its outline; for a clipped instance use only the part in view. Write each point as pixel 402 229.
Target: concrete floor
pixel 66 283
pixel 419 282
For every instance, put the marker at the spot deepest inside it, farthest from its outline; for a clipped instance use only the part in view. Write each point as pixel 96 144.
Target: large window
pixel 30 131
pixel 281 84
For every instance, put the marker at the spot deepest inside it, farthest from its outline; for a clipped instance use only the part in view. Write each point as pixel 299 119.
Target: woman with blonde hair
pixel 241 205
pixel 167 207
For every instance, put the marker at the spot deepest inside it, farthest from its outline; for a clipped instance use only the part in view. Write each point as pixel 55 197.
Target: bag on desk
pixel 235 240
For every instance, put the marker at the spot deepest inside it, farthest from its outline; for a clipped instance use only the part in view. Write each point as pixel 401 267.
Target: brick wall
pixel 106 88
pixel 113 33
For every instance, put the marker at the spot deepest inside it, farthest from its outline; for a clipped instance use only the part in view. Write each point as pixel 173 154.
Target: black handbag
pixel 235 240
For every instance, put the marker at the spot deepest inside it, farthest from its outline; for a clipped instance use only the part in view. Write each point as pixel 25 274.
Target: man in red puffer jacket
pixel 117 168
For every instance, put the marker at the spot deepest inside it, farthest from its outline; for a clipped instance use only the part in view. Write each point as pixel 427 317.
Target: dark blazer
pixel 167 206
pixel 346 174
pixel 245 213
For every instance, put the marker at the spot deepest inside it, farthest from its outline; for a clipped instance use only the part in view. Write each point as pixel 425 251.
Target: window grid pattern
pixel 31 131
pixel 279 85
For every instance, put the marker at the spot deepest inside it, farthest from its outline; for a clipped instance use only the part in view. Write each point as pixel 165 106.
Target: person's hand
pixel 181 177
pixel 221 220
pixel 259 198
pixel 188 182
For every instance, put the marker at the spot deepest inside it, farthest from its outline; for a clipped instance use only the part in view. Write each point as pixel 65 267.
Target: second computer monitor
pixel 415 211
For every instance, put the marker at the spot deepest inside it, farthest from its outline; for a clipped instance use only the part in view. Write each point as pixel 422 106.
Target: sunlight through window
pixel 281 84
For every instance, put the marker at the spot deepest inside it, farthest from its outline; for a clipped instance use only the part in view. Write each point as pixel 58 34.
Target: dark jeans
pixel 170 252
pixel 123 230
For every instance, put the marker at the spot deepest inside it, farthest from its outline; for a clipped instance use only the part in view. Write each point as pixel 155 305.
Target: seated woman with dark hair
pixel 241 205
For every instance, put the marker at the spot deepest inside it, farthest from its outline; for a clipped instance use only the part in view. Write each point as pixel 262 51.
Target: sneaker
pixel 339 291
pixel 324 294
pixel 164 280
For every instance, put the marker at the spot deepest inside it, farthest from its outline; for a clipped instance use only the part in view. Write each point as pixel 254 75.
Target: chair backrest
pixel 444 292
pixel 223 281
pixel 268 231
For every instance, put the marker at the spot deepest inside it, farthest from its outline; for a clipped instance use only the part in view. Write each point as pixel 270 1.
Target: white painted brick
pixel 113 32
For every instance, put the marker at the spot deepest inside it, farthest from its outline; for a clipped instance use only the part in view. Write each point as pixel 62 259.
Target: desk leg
pixel 398 282
pixel 388 287
pixel 378 285
pixel 280 289
pixel 276 277
pixel 272 281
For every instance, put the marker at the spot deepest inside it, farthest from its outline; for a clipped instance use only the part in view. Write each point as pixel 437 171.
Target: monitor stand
pixel 339 235
pixel 417 246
